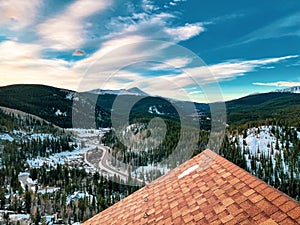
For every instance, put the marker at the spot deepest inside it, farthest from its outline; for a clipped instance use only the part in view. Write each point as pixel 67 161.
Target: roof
pixel 207 189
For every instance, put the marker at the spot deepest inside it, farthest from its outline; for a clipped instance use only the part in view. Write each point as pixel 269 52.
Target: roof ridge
pixel 206 189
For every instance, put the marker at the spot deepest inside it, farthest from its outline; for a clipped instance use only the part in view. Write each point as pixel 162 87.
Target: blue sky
pixel 177 48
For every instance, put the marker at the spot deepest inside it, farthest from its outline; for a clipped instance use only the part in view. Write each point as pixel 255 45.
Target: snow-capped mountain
pixel 131 91
pixel 295 90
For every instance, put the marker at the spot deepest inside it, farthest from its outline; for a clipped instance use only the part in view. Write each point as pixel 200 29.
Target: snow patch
pixel 41 136
pixel 154 110
pixel 69 96
pixel 188 171
pixel 60 113
pixel 78 195
pixel 6 137
pixel 48 190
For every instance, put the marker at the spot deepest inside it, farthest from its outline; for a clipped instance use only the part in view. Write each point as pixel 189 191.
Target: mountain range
pixel 130 91
pixel 55 105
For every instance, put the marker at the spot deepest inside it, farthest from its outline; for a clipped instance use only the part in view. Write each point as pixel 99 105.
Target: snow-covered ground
pixel 261 140
pixel 16 217
pixel 41 136
pixel 154 110
pixel 145 172
pixel 48 190
pixel 6 137
pixel 78 195
pixel 60 158
pixel 31 136
pixel 88 133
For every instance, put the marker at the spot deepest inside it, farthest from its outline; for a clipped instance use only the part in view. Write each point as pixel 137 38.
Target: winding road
pixel 103 164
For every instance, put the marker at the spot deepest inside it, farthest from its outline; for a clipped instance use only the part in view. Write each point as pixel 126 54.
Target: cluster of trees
pixel 11 121
pixel 281 106
pixel 143 146
pixel 279 167
pixel 94 194
pixel 97 192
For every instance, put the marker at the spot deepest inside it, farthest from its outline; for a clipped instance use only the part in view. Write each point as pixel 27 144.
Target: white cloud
pixel 201 77
pixel 22 63
pixel 195 92
pixel 155 26
pixel 271 60
pixel 126 49
pixel 67 30
pixel 174 3
pixel 278 84
pixel 13 51
pixel 112 54
pixel 185 32
pixel 107 68
pixel 17 14
pixel 148 6
pixel 128 40
pixel 179 62
pixel 231 69
pixel 141 24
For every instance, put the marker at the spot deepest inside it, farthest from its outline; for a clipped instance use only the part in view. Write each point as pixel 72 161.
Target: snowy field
pixel 261 140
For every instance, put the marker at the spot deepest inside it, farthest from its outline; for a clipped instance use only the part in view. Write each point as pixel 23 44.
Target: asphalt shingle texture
pixel 207 189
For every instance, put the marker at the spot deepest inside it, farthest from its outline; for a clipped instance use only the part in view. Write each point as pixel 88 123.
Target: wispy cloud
pixel 288 26
pixel 17 14
pixel 155 26
pixel 149 6
pixel 174 3
pixel 234 68
pixel 185 32
pixel 278 84
pixel 172 64
pixel 67 30
pixel 127 42
pixel 26 65
pixel 179 85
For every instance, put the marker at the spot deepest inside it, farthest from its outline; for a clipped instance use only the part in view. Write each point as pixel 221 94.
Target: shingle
pixel 217 192
pixel 269 222
pixel 295 213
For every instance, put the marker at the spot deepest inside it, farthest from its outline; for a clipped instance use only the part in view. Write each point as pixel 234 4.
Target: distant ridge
pixel 56 105
pixel 131 91
pixel 295 90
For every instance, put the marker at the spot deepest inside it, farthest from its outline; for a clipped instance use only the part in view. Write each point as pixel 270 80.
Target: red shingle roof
pixel 207 189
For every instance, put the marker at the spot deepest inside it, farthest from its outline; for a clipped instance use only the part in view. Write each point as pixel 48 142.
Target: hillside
pixel 275 105
pixel 50 103
pixel 55 105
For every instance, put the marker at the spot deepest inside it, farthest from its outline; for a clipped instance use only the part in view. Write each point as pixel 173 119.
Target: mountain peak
pixel 137 91
pixel 295 90
pixel 130 91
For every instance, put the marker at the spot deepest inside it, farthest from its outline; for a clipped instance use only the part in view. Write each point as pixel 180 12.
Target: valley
pixel 53 173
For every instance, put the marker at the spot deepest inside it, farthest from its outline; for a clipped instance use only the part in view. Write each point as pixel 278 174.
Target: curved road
pixel 103 164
